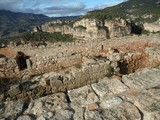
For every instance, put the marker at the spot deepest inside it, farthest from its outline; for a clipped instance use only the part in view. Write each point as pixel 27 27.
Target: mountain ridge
pixel 129 9
pixel 14 23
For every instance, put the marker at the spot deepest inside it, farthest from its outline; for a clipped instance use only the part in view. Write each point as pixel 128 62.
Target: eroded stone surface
pixel 82 96
pixel 149 103
pixel 24 117
pixel 111 102
pixel 146 79
pixel 11 109
pixel 124 111
pixel 51 103
pixel 109 99
pixel 107 87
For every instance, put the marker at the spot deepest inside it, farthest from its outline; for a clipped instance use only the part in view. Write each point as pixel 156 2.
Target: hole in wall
pixel 21 60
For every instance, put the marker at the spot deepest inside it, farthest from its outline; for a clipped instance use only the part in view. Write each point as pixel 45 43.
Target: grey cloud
pixel 10 4
pixel 47 7
pixel 77 8
pixel 42 6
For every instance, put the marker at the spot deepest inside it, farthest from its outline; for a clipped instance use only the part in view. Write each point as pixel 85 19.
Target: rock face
pixel 89 28
pixel 139 80
pixel 135 97
pixel 152 27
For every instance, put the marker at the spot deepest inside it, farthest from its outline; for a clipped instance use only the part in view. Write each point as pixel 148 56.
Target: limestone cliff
pixel 152 27
pixel 89 28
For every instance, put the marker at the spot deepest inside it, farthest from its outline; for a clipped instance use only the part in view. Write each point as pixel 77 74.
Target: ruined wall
pixel 62 80
pixel 9 68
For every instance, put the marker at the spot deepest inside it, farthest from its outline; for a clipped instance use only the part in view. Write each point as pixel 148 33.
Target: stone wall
pixel 9 68
pixel 88 72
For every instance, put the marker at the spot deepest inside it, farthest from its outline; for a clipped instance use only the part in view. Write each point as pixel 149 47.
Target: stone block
pixel 3 61
pixel 92 106
pixel 56 86
pixel 14 90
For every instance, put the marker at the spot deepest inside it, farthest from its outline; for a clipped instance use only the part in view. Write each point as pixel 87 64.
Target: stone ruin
pixel 75 64
pixel 63 74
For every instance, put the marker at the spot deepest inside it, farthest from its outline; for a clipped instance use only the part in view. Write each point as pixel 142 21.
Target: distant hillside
pixel 138 10
pixel 12 24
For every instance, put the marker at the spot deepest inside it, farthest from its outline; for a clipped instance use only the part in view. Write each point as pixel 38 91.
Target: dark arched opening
pixel 2 56
pixel 136 29
pixel 21 60
pixel 123 67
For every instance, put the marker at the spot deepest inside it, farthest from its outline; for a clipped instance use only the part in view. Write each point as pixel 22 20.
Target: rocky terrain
pixel 116 78
pixel 109 71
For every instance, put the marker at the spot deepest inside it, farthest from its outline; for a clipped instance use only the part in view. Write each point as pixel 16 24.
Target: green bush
pixel 110 72
pixel 78 66
pixel 45 36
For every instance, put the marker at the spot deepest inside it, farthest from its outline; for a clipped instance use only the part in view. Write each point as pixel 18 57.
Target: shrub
pixel 45 36
pixel 110 71
pixel 78 66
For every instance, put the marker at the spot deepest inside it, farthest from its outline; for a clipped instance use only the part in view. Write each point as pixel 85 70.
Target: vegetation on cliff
pixel 138 10
pixel 45 36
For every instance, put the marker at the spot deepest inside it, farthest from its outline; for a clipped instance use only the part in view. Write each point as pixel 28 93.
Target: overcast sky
pixel 56 7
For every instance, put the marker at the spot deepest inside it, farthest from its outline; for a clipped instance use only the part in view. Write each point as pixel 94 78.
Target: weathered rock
pixel 107 87
pixel 111 102
pixel 82 96
pixel 79 113
pixel 3 60
pixel 146 79
pixel 12 109
pixel 46 104
pixel 153 54
pixel 152 27
pixel 14 90
pixel 24 117
pixel 149 103
pixel 36 108
pixel 62 115
pixel 124 111
pixel 29 63
pixel 114 64
pixel 114 57
pixel 46 116
pixel 92 106
pixel 2 106
pixel 92 115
